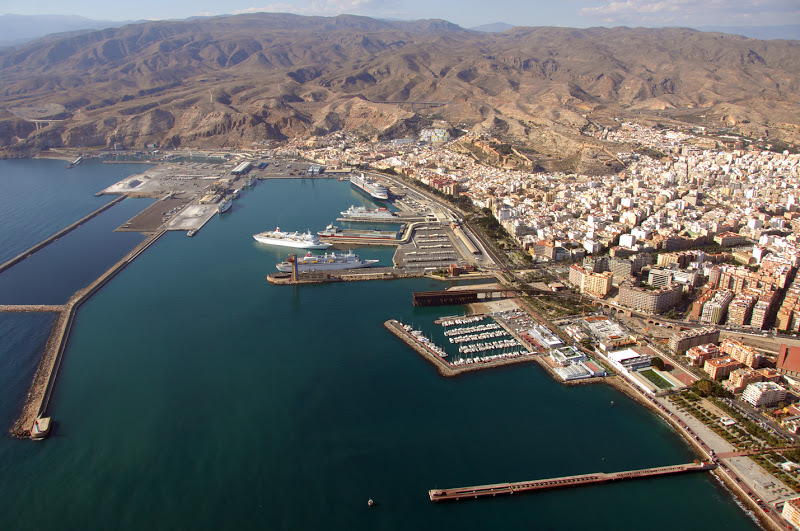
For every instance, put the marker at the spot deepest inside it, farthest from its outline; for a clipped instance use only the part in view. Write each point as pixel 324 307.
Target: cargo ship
pixel 291 239
pixel 370 187
pixel 326 262
pixel 364 212
pixel 332 231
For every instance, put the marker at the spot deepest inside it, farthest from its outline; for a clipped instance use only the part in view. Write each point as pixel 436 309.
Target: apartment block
pixel 683 341
pixel 721 368
pixel 649 300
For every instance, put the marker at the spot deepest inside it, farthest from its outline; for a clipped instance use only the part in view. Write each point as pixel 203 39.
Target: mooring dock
pixel 437 495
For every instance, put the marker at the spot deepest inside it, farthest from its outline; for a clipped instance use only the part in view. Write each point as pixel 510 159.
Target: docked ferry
pixel 332 231
pixel 364 212
pixel 326 262
pixel 224 205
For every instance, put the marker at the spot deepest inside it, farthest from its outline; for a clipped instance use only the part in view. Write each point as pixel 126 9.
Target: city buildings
pixel 720 368
pixel 700 353
pixel 788 362
pixel 737 350
pixel 791 511
pixel 715 310
pixel 647 299
pixel 598 284
pixel 764 394
pixel 683 341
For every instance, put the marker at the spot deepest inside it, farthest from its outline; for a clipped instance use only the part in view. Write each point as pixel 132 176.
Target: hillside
pixel 234 80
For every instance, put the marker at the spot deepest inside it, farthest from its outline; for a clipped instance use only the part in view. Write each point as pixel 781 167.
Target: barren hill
pixel 230 81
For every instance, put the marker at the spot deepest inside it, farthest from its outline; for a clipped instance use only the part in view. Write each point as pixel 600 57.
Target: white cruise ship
pixel 291 239
pixel 370 187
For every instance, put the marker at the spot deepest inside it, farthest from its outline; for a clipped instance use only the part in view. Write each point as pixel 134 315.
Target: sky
pixel 466 13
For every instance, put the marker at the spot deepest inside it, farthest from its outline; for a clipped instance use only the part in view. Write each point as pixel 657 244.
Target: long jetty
pixel 480 491
pixel 45 377
pixel 44 243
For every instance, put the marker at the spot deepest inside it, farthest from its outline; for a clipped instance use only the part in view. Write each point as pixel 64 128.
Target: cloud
pixel 694 12
pixel 327 7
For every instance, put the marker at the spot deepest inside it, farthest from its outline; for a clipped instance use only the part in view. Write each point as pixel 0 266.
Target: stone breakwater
pixel 44 378
pixel 44 243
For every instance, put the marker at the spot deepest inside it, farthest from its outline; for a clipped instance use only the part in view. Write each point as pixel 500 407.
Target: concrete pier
pixel 45 377
pixel 557 483
pixel 22 256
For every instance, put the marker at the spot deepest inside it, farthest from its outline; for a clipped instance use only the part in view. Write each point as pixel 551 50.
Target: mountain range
pixel 235 80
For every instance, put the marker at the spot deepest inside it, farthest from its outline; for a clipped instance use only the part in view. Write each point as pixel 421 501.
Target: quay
pixel 44 243
pixel 344 240
pixel 459 493
pixel 44 379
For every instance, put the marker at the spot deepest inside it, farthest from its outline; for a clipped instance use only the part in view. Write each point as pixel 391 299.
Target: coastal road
pixel 750 478
pixel 486 249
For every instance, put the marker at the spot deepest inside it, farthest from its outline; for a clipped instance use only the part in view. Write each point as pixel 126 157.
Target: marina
pixel 495 354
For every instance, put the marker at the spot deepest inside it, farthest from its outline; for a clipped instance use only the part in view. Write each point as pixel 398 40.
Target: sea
pixel 193 394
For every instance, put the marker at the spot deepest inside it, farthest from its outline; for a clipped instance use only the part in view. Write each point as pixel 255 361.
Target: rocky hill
pixel 234 80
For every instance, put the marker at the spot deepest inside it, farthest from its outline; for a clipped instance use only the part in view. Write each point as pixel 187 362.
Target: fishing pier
pixel 481 491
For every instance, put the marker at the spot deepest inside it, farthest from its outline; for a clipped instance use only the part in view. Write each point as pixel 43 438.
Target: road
pixel 495 261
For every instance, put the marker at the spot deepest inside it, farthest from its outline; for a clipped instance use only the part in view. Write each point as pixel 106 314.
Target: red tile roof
pixel 789 358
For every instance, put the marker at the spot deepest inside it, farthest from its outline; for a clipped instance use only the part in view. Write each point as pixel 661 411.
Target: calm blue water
pixel 193 394
pixel 41 197
pixel 54 273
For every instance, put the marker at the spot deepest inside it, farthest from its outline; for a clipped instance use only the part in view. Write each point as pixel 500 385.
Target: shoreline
pixel 699 447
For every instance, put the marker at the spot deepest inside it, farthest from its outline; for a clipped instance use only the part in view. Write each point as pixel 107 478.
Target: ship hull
pixel 364 187
pixel 286 267
pixel 284 242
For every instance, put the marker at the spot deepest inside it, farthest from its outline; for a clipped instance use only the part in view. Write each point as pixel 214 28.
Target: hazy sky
pixel 466 13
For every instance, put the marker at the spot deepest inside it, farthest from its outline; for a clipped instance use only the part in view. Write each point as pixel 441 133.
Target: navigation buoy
pixel 612 402
pixel 370 503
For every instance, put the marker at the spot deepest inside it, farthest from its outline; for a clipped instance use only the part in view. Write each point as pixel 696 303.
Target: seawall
pixel 44 243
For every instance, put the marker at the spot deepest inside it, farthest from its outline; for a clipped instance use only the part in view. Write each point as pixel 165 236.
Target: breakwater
pixel 44 243
pixel 47 370
pixel 31 308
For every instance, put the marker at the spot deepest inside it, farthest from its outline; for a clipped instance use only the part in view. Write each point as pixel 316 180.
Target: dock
pixel 460 493
pixel 343 275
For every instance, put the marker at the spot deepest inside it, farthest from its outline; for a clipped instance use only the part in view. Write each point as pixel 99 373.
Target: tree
pixel 658 363
pixel 704 387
